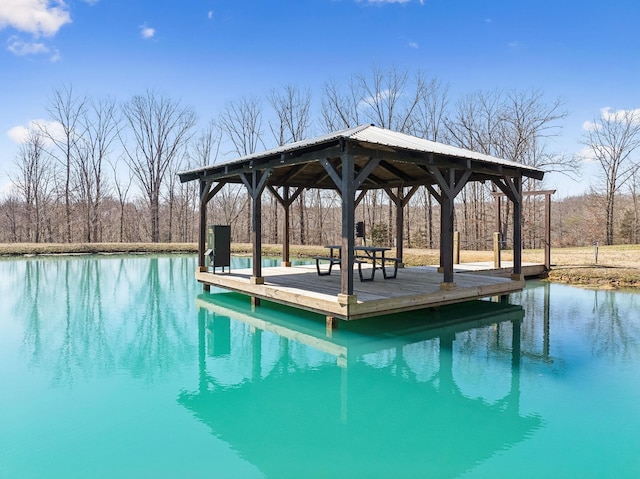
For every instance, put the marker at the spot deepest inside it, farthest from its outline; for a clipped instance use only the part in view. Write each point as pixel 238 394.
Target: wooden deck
pixel 414 288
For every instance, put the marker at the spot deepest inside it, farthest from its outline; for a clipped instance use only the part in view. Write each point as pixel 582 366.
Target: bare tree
pixel 241 123
pixel 340 105
pixel 33 181
pixel 122 191
pixel 66 110
pixel 293 114
pixel 292 123
pixel 206 147
pixel 100 129
pixel 612 140
pixel 161 129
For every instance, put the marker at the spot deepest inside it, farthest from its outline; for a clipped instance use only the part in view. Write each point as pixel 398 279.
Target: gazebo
pixel 352 162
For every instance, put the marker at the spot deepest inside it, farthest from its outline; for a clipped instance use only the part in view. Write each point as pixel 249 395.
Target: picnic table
pixel 362 255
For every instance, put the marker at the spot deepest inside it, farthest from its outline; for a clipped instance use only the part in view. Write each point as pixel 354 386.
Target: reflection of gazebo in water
pixel 320 418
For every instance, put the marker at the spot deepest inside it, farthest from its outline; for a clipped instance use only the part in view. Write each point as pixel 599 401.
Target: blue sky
pixel 207 52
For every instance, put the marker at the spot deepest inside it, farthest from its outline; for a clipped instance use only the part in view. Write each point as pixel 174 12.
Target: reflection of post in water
pixel 445 372
pixel 202 364
pixel 514 404
pixel 545 335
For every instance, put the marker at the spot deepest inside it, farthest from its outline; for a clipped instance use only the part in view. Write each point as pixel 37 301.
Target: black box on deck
pixel 219 244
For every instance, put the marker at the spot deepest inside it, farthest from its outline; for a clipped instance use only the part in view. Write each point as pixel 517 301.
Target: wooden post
pixel 547 231
pixel 255 183
pixel 202 228
pixel 348 223
pixel 498 204
pixel 285 244
pixel 256 228
pixel 497 257
pixel 331 324
pixel 446 239
pixel 400 223
pixel 456 247
pixel 517 229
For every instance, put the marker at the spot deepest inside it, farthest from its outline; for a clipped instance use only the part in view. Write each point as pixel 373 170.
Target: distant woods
pixel 97 170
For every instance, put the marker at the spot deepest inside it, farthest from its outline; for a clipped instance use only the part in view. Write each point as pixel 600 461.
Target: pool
pixel 121 366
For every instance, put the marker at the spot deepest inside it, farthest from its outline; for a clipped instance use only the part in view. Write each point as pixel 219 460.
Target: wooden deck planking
pixel 414 288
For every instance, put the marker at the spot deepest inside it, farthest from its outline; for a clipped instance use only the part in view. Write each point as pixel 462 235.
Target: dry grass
pixel 19 249
pixel 617 267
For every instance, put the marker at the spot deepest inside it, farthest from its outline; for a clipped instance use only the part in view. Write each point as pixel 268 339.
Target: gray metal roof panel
pixel 374 135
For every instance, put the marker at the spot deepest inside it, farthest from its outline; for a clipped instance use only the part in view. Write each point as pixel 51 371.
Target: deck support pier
pixel 332 323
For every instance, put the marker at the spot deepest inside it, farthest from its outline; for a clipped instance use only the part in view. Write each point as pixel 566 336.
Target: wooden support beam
pixel 347 191
pixel 456 247
pixel 286 200
pixel 331 171
pixel 366 172
pixel 202 226
pixel 449 188
pixel 497 257
pixel 287 225
pixel 255 183
pixel 516 186
pixel 400 224
pixel 547 230
pixel 360 197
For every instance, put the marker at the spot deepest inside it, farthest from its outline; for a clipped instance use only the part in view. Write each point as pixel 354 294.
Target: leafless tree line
pixel 99 171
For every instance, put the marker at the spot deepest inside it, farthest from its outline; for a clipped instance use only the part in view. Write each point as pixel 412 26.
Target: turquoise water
pixel 122 367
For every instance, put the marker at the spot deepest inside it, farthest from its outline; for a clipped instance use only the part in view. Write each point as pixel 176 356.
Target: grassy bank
pixel 617 266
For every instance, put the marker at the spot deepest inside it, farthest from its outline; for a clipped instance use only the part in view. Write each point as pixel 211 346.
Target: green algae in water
pixel 123 367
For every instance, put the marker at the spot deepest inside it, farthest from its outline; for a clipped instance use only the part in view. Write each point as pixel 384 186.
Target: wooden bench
pixel 331 259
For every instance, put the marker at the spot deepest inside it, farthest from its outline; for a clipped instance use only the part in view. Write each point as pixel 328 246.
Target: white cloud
pixel 147 32
pixel 20 133
pixel 620 115
pixel 38 17
pixel 607 114
pixel 513 44
pixel 55 56
pixel 210 14
pixel 19 47
pixel 414 45
pixel 587 155
pixel 590 126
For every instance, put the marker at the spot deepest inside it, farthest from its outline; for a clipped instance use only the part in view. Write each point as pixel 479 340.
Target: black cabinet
pixel 219 244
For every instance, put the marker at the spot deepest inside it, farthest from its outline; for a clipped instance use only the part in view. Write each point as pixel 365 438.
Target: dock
pixel 413 288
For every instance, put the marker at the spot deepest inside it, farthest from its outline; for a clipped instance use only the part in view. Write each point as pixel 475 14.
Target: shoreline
pixel 618 268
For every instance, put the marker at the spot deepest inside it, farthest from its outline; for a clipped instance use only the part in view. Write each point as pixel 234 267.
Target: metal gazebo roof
pixel 404 161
